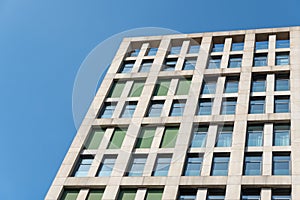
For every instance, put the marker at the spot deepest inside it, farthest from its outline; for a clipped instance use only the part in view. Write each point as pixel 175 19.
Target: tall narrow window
pixel 282 82
pixel 155 108
pixel 146 137
pixel 154 194
pixel 255 135
pixel 95 194
pixel 169 137
pixel 209 87
pixel 127 194
pixel 107 165
pixel 137 89
pixel 253 164
pixel 282 58
pixel 193 165
pixel 281 135
pixel 257 105
pixel 137 165
pixel 260 60
pixel 146 66
pixel 282 104
pixel 83 166
pixel 161 88
pixel 116 89
pixel 94 139
pixel 189 64
pixel 205 106
pixel 214 62
pixel 235 62
pixel 224 136
pixel 220 165
pixel 281 164
pixel 199 136
pixel 231 85
pixel 162 165
pixel 127 67
pixel 108 110
pixel 258 84
pixel 129 109
pixel 177 108
pixel 228 106
pixel 183 86
pixel 117 138
pixel 170 64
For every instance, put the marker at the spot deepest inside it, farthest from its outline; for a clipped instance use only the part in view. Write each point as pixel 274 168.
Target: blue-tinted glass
pixel 282 59
pixel 215 197
pixel 199 137
pixel 107 166
pixel 169 65
pixel 127 67
pixel 152 51
pixel 83 167
pixel 255 136
pixel 189 64
pixel 237 46
pixel 129 110
pixel 177 109
pixel 282 84
pixel 252 165
pixel 108 110
pixel 214 63
pixel 235 62
pixel 231 86
pixel 228 107
pixel 193 166
pixel 259 85
pixel 146 66
pixel 224 139
pixel 281 197
pixel 194 49
pixel 251 197
pixel 187 197
pixel 175 50
pixel 281 135
pixel 137 167
pixel 155 109
pixel 257 106
pixel 281 165
pixel 218 47
pixel 162 166
pixel 261 45
pixel 260 60
pixel 282 44
pixel 209 87
pixel 205 107
pixel 282 105
pixel 134 52
pixel 220 166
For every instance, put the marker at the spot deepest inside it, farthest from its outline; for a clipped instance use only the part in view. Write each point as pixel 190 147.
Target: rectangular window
pixel 282 104
pixel 162 165
pixel 183 86
pixel 235 62
pixel 83 166
pixel 169 137
pixel 177 108
pixel 250 194
pixel 205 106
pixel 116 89
pixel 194 49
pixel 217 47
pixel 261 45
pixel 154 194
pixel 282 44
pixel 155 108
pixel 214 62
pixel 134 52
pixel 137 165
pixel 161 88
pixel 237 46
pixel 255 135
pixel 189 64
pixel 129 109
pixel 127 194
pixel 193 165
pixel 281 164
pixel 231 85
pixel 187 194
pixel 220 165
pixel 107 165
pixel 260 60
pixel 258 84
pixel 282 82
pixel 127 67
pixel 281 194
pixel 95 194
pixel 152 51
pixel 117 138
pixel 253 164
pixel 137 89
pixel 209 87
pixel 70 194
pixel 257 105
pixel 199 137
pixel 224 136
pixel 216 194
pixel 108 110
pixel 281 135
pixel 94 139
pixel 146 137
pixel 228 106
pixel 170 64
pixel 282 58
pixel 175 50
pixel 146 66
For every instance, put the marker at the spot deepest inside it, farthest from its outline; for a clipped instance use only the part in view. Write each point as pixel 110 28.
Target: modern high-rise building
pixel 204 116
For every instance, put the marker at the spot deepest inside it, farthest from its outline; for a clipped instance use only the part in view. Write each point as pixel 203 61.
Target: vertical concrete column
pixel 170 192
pixel 140 194
pixel 181 57
pixel 269 102
pixel 111 192
pixel 83 194
pixel 267 154
pixel 217 104
pixel 139 58
pixel 201 194
pixel 271 50
pixel 226 52
pixel 266 193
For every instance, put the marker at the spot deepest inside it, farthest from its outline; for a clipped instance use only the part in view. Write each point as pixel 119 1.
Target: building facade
pixel 201 116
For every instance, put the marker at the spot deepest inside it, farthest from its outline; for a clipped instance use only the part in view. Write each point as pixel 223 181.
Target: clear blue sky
pixel 42 44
